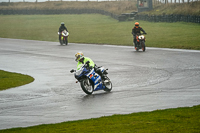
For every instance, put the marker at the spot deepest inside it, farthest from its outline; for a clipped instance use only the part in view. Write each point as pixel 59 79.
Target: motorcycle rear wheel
pixel 87 86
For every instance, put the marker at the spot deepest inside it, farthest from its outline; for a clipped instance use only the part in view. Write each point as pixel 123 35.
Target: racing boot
pixel 135 45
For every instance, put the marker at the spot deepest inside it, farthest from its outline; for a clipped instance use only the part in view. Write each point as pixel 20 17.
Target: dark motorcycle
pixel 140 42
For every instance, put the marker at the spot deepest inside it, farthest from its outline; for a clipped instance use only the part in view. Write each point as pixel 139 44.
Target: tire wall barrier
pixel 169 18
pixel 122 17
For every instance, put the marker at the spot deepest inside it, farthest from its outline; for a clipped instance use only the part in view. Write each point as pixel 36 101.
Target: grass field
pixel 9 80
pixel 180 120
pixel 99 29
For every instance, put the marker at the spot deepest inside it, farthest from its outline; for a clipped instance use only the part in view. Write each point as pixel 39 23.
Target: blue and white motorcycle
pixel 91 81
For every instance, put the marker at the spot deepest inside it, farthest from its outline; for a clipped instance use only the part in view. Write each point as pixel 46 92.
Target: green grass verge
pixel 99 29
pixel 10 80
pixel 180 120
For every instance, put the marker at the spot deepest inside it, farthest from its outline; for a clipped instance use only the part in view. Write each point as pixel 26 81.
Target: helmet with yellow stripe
pixel 79 56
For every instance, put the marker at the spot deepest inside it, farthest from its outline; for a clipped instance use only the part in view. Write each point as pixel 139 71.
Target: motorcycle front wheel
pixel 87 86
pixel 66 41
pixel 143 46
pixel 108 85
pixel 61 42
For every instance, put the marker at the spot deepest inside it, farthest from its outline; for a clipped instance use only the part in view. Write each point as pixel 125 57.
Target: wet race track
pixel 142 81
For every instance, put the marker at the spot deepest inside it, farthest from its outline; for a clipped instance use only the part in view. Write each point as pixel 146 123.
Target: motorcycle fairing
pixel 102 69
pixel 82 71
pixel 96 80
pixel 64 34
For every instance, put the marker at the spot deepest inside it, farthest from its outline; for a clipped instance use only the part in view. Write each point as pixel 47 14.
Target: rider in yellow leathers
pixel 79 57
pixel 82 60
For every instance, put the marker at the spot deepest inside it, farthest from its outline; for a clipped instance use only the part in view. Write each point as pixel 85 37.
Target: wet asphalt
pixel 142 81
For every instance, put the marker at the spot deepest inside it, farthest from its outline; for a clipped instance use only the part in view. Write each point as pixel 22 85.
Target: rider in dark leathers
pixel 61 28
pixel 135 31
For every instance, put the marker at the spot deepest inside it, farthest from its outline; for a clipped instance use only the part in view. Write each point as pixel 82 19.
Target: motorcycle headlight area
pixel 79 72
pixel 141 37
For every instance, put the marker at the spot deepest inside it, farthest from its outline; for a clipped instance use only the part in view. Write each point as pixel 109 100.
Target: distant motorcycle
pixel 140 42
pixel 64 37
pixel 91 81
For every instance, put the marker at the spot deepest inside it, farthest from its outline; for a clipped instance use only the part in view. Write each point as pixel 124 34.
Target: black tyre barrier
pixel 122 17
pixel 169 18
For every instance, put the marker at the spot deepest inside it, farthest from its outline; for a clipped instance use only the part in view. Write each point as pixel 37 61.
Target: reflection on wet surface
pixel 142 81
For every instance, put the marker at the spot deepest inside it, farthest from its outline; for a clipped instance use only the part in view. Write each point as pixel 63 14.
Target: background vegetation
pixel 116 7
pixel 9 80
pixel 191 8
pixel 180 120
pixel 99 29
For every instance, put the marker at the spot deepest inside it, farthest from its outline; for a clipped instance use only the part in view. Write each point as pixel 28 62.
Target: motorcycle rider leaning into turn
pixel 81 59
pixel 61 28
pixel 136 30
